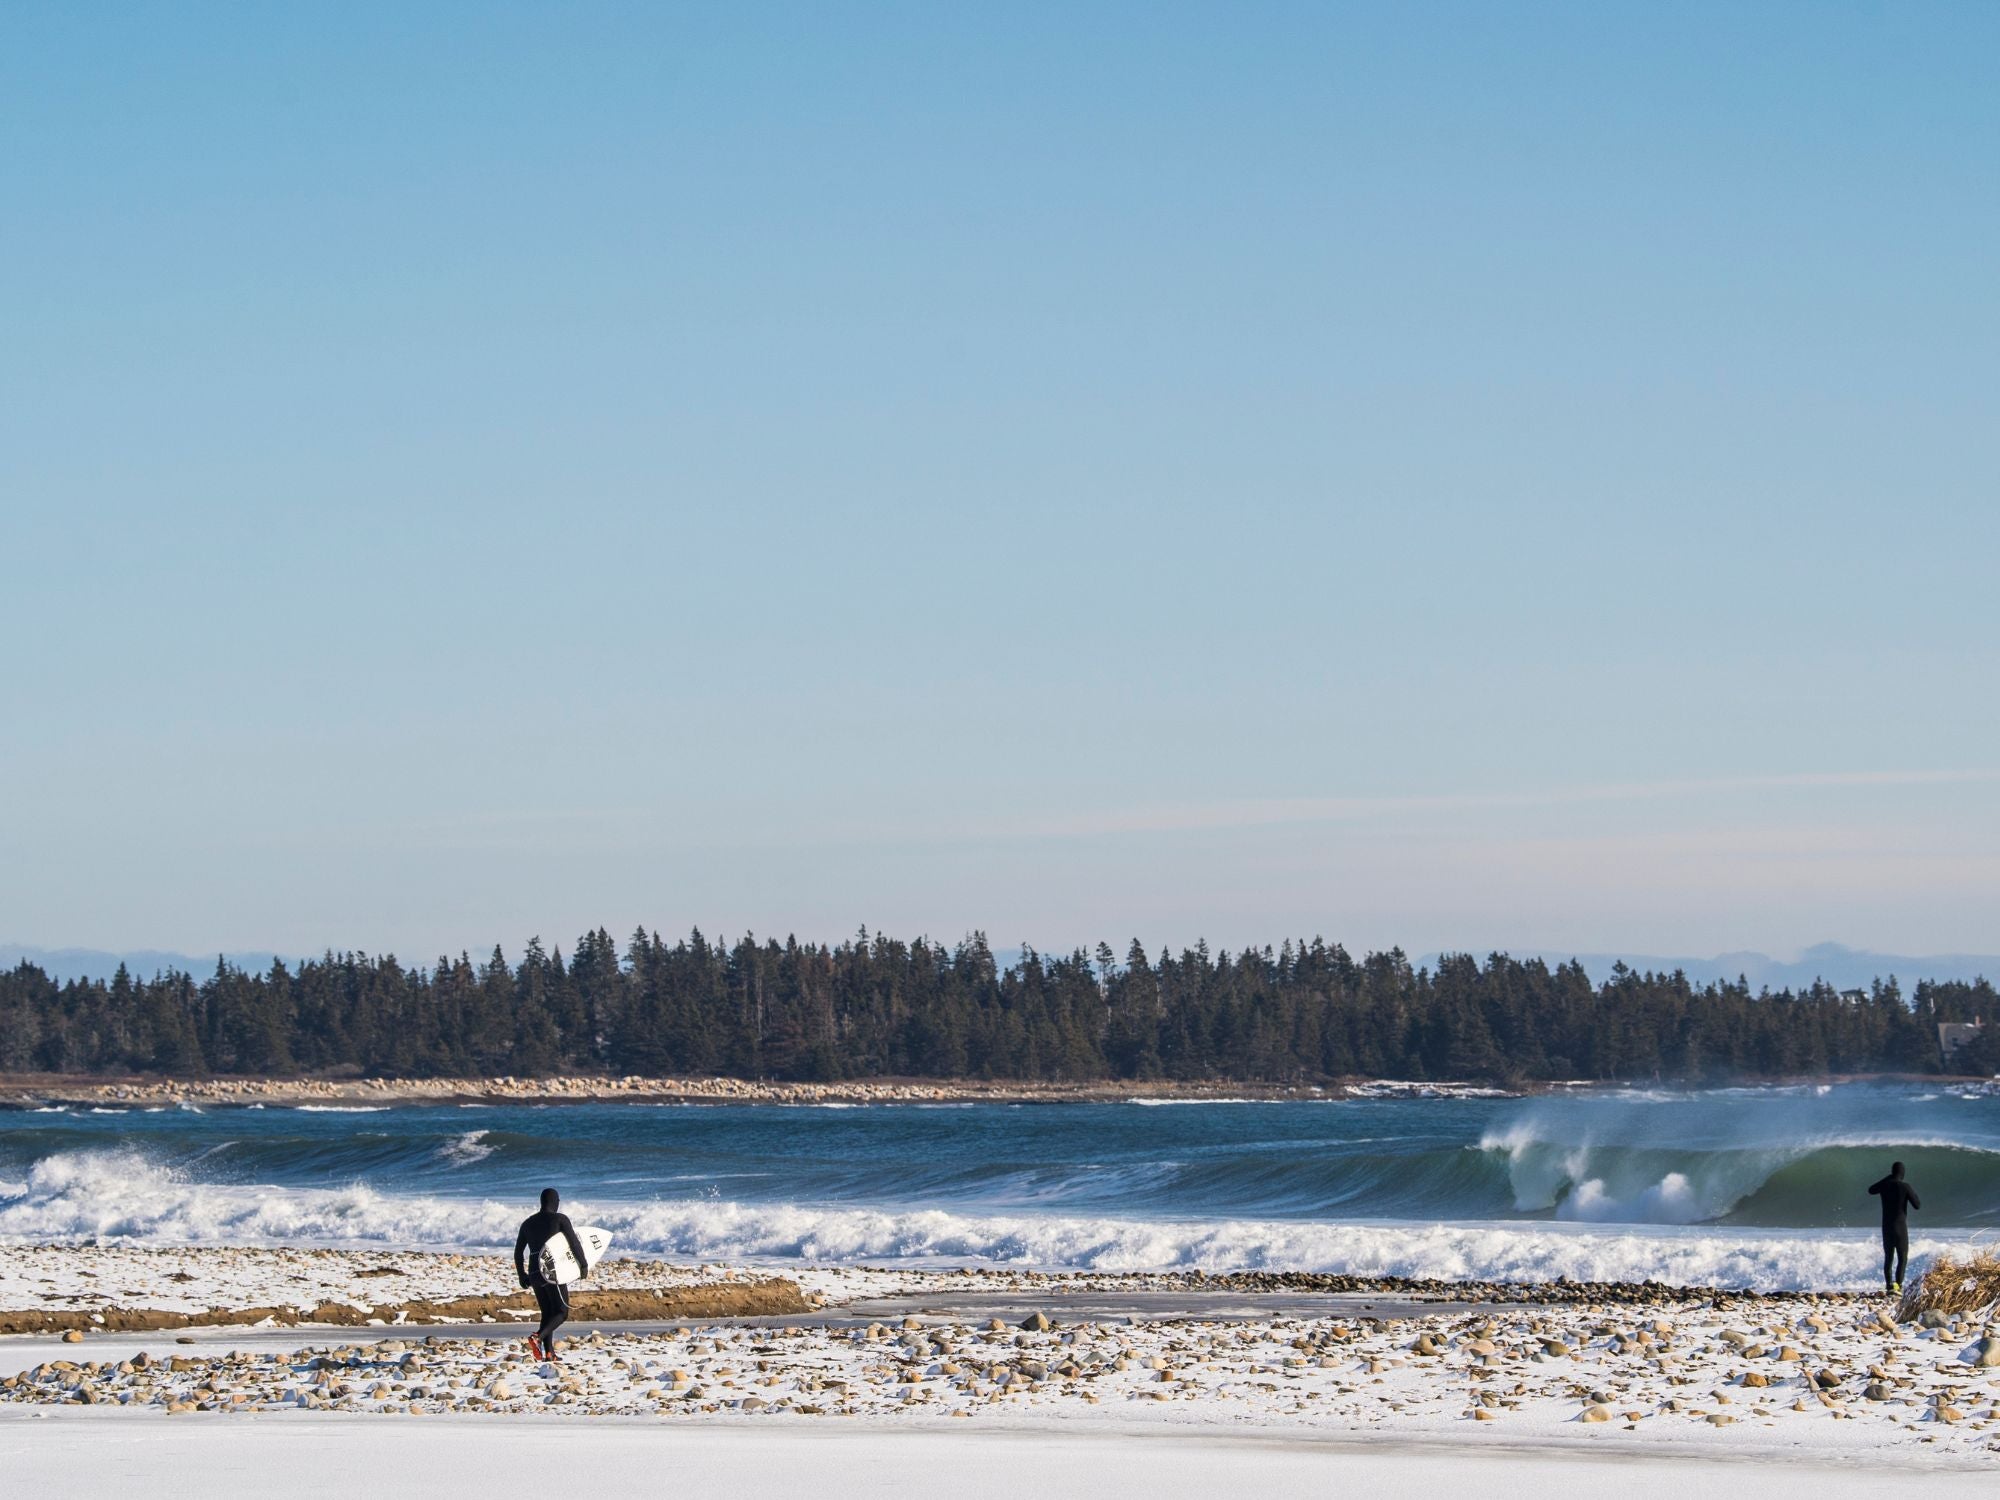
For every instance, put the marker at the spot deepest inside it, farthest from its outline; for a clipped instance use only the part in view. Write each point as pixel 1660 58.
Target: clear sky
pixel 1450 474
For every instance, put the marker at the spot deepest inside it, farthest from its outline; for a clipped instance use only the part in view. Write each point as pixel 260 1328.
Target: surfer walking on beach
pixel 551 1296
pixel 1898 1198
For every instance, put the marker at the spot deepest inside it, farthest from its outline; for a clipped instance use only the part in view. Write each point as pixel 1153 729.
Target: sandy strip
pixel 49 1288
pixel 88 1456
pixel 46 1286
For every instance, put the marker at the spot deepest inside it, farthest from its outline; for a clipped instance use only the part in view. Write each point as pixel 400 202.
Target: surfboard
pixel 558 1261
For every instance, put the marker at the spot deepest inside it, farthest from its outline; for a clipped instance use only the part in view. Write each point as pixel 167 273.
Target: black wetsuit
pixel 550 1296
pixel 1898 1198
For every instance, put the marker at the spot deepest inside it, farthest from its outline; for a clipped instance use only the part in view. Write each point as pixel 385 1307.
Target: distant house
pixel 1953 1035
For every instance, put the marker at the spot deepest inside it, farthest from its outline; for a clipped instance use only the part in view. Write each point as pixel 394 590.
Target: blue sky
pixel 1457 475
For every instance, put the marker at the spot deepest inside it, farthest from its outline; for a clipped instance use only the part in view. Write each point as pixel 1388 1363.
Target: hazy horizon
pixel 1833 963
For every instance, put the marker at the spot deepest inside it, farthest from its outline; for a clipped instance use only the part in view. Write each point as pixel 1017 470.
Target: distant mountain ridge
pixel 65 964
pixel 1840 966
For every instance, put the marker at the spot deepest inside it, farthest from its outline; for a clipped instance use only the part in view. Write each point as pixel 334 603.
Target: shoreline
pixel 1783 1375
pixel 94 1288
pixel 31 1091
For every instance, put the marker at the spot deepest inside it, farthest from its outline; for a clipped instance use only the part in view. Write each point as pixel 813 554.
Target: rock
pixel 1877 1391
pixel 74 1336
pixel 1036 1322
pixel 1427 1346
pixel 1985 1353
pixel 1720 1419
pixel 1826 1380
pixel 1484 1348
pixel 1596 1414
pixel 1555 1348
pixel 1482 1414
pixel 1756 1378
pixel 1930 1317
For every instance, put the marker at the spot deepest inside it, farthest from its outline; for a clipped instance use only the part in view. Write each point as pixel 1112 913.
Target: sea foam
pixel 119 1196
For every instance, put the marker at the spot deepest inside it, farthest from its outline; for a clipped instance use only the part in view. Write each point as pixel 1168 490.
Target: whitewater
pixel 1730 1188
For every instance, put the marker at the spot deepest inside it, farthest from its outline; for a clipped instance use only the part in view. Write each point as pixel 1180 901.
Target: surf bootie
pixel 535 1346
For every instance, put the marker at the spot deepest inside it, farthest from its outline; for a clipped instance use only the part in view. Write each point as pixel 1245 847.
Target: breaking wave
pixel 119 1196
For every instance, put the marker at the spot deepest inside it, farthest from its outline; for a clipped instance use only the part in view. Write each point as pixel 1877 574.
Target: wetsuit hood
pixel 551 1198
pixel 1895 1171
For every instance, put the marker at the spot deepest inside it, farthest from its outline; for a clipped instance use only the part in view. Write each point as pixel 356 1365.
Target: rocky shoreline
pixel 143 1328
pixel 1784 1372
pixel 24 1092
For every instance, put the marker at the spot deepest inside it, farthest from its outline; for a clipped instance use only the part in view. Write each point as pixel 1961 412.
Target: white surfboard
pixel 558 1261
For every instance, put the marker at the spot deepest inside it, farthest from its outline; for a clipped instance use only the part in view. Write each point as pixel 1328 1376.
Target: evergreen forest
pixel 875 1007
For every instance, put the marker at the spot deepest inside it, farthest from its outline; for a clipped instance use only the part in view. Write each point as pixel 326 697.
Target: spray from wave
pixel 466 1149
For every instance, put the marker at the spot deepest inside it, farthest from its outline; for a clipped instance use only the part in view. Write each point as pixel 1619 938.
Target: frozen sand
pixel 85 1455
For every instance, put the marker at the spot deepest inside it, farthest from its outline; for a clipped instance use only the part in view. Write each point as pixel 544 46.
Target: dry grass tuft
pixel 1952 1286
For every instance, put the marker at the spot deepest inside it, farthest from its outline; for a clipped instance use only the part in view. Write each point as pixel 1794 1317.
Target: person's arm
pixel 575 1244
pixel 1914 1202
pixel 520 1246
pixel 1875 1188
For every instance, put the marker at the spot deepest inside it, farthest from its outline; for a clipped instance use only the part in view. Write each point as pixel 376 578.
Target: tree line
pixel 875 1007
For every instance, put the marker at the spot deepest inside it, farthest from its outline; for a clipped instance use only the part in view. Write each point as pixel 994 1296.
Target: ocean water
pixel 1749 1187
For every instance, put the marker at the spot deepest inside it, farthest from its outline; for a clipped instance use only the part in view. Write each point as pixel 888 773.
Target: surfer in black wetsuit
pixel 551 1296
pixel 1898 1198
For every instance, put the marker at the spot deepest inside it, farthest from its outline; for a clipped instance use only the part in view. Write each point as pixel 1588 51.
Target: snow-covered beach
pixel 1790 1378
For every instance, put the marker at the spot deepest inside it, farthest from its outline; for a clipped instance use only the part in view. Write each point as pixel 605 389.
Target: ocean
pixel 1760 1188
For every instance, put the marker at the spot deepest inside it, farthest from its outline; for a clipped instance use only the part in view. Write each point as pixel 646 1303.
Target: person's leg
pixel 554 1301
pixel 1902 1255
pixel 555 1310
pixel 1889 1257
